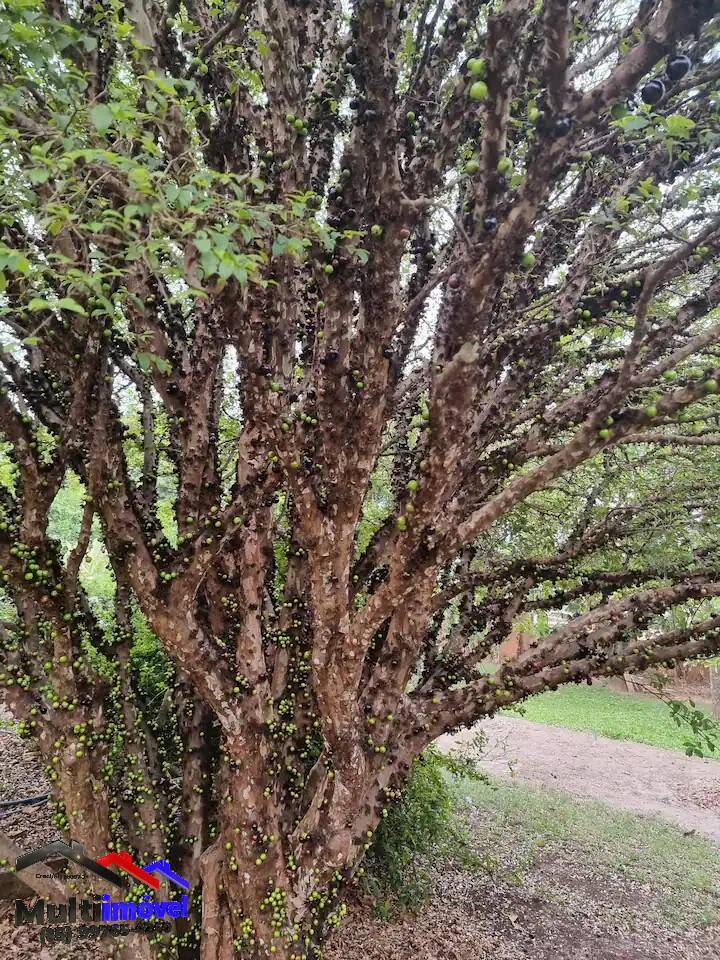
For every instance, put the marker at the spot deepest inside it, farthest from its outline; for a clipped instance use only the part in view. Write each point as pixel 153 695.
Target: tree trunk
pixel 715 689
pixel 269 891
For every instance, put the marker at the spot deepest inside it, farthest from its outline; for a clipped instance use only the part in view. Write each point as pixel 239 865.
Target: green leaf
pixel 209 263
pixel 37 303
pixel 648 188
pixel 147 360
pixel 279 245
pixel 101 116
pixel 225 270
pixel 678 127
pixel 38 175
pixel 632 122
pixel 185 197
pixel 67 303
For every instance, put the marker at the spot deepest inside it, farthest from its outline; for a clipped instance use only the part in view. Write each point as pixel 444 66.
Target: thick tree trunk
pixel 274 892
pixel 257 894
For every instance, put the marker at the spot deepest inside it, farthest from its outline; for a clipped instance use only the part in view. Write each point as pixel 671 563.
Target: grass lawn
pixel 621 716
pixel 522 829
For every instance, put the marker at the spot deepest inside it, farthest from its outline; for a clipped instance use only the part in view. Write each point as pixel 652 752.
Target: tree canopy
pixel 355 334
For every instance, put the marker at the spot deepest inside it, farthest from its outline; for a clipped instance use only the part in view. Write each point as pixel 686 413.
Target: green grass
pixel 620 716
pixel 521 827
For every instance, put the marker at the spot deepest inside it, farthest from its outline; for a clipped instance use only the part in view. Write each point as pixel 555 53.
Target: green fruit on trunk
pixel 504 166
pixel 472 167
pixel 476 67
pixel 478 91
pixel 528 260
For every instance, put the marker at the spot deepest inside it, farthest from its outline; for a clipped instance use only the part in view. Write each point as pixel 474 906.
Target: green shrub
pixel 417 831
pixel 150 663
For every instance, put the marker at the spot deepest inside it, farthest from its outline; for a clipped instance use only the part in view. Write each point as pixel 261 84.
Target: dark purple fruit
pixel 653 92
pixel 677 67
pixel 562 126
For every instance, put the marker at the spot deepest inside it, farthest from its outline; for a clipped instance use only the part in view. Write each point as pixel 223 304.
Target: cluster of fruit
pixel 479 91
pixel 675 69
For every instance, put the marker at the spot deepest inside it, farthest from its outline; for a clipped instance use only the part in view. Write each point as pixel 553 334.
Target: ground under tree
pixel 367 330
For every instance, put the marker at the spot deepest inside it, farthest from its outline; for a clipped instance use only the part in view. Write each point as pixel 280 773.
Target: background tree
pixel 362 331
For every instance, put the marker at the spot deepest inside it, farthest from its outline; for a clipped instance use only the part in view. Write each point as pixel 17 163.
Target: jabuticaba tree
pixel 368 330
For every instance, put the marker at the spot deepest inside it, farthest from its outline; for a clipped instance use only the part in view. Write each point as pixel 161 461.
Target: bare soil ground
pixel 630 776
pixel 556 914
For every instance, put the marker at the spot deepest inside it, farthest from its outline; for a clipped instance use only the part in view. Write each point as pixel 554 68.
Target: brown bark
pixel 715 689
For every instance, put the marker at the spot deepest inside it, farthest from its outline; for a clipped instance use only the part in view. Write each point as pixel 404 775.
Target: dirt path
pixel 631 776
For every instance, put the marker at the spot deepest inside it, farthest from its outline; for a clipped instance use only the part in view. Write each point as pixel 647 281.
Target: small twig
pixel 223 32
